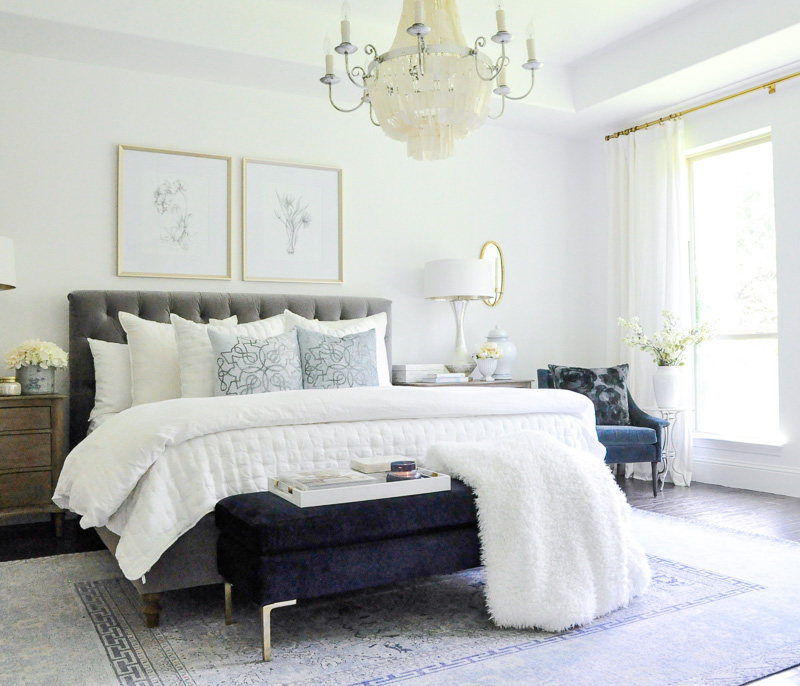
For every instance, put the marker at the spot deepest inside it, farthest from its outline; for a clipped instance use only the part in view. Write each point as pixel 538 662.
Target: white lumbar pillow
pixel 112 374
pixel 196 357
pixel 344 327
pixel 155 372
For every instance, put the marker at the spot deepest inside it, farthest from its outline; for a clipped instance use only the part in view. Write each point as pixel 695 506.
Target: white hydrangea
pixel 36 353
pixel 488 351
pixel 668 345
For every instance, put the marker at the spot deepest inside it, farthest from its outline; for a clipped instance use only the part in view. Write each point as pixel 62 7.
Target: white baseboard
pixel 754 477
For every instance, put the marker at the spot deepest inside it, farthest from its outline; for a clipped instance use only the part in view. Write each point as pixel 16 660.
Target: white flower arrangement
pixel 36 353
pixel 668 345
pixel 488 351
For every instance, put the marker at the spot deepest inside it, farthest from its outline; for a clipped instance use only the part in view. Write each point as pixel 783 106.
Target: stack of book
pixel 321 479
pixel 446 378
pixel 414 373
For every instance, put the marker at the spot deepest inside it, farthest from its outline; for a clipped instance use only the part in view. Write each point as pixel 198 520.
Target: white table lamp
pixel 8 274
pixel 458 282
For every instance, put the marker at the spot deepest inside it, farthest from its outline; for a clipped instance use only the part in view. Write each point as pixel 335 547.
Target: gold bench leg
pixel 228 603
pixel 265 616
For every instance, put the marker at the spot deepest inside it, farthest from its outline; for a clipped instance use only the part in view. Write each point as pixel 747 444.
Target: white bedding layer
pixel 152 472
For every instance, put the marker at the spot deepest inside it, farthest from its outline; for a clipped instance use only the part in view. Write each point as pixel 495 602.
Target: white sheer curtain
pixel 649 265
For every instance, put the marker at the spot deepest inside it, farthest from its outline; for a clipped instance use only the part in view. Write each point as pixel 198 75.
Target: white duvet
pixel 152 472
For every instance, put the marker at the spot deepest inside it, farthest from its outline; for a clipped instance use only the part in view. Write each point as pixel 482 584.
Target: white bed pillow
pixel 344 327
pixel 112 374
pixel 155 372
pixel 196 357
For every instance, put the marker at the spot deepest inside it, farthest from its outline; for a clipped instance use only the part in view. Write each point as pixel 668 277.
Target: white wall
pixel 62 122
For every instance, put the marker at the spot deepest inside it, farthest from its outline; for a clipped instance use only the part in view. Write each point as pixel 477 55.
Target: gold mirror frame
pixel 499 272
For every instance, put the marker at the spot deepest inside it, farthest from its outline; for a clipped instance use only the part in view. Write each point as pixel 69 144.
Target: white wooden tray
pixel 430 483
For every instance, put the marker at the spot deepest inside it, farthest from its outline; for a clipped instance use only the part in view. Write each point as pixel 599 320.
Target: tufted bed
pixel 95 314
pixel 148 479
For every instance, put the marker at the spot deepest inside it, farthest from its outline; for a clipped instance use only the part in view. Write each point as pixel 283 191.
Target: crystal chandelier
pixel 431 88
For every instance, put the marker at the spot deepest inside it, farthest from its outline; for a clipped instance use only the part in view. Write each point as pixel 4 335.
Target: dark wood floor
pixel 772 515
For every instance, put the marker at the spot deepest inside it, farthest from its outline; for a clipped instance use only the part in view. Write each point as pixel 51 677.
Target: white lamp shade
pixel 471 279
pixel 8 274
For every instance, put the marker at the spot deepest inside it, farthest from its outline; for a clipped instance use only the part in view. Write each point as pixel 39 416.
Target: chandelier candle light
pixel 431 88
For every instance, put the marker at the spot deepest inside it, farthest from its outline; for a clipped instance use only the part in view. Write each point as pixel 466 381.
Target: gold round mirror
pixel 491 251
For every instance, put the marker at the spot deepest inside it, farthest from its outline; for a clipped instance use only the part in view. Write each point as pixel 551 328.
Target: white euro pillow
pixel 155 372
pixel 196 357
pixel 112 374
pixel 343 327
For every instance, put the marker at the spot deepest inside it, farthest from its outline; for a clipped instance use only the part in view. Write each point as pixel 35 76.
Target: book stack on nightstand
pixel 32 448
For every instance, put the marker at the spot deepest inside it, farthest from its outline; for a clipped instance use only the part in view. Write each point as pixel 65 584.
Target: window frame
pixel 711 150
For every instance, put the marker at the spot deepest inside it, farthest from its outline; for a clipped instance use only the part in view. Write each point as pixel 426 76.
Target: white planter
pixel 487 367
pixel 667 386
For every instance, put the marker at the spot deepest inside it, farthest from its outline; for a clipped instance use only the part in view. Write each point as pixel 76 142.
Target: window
pixel 733 222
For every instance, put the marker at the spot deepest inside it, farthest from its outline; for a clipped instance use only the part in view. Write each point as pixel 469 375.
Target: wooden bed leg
pixel 152 609
pixel 228 603
pixel 265 616
pixel 58 523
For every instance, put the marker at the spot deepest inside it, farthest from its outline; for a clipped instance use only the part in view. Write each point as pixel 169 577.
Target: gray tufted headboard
pixel 94 314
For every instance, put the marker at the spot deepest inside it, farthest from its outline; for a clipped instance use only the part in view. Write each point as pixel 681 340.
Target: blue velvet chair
pixel 641 441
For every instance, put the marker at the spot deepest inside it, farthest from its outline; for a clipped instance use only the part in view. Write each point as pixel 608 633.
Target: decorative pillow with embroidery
pixel 245 366
pixel 606 387
pixel 338 361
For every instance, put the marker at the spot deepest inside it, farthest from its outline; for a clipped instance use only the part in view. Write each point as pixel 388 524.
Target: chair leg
pixel 228 603
pixel 655 479
pixel 265 629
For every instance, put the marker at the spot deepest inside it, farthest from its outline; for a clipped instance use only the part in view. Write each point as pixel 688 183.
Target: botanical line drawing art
pixel 294 216
pixel 170 198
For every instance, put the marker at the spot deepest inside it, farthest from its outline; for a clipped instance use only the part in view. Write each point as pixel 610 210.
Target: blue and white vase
pixel 36 380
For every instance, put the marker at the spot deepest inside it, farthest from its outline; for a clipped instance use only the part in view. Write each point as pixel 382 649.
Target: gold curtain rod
pixel 770 86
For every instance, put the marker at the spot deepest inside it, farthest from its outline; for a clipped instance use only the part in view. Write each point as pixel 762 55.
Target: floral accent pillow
pixel 338 362
pixel 245 366
pixel 606 387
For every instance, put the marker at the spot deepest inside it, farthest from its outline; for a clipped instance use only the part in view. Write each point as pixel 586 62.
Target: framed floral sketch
pixel 173 214
pixel 291 222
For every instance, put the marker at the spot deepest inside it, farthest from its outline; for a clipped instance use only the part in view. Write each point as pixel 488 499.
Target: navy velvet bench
pixel 276 552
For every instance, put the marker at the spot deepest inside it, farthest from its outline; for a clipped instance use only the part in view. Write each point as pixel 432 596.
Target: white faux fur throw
pixel 555 530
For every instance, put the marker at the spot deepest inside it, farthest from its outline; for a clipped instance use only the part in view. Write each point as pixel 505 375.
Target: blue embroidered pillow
pixel 606 387
pixel 246 366
pixel 334 362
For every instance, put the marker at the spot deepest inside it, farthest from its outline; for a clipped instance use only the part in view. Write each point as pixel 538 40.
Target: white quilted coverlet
pixel 152 472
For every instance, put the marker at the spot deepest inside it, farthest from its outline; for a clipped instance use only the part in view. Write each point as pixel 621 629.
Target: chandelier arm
pixel 494 72
pixel 354 73
pixel 503 60
pixel 421 51
pixel 480 42
pixel 340 109
pixel 502 109
pixel 530 90
pixel 371 117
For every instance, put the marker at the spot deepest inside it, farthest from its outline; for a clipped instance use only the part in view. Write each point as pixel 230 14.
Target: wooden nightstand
pixel 32 447
pixel 512 383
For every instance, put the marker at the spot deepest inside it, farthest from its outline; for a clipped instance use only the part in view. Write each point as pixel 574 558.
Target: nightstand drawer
pixel 24 418
pixel 24 450
pixel 20 490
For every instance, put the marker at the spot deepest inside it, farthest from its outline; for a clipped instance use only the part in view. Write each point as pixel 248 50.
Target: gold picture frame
pixel 155 236
pixel 301 192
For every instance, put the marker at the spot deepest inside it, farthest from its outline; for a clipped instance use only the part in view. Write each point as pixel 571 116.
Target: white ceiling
pixel 566 29
pixel 608 63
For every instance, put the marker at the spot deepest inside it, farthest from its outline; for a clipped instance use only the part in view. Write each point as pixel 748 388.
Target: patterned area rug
pixel 724 608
